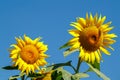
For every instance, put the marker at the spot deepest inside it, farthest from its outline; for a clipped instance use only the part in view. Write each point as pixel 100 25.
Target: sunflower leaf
pixel 14 77
pixel 77 76
pixel 56 75
pixel 55 66
pixel 36 75
pixel 68 52
pixel 10 67
pixel 64 46
pixel 100 74
pixel 65 74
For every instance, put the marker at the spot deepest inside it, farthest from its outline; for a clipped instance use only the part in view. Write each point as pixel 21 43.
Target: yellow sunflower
pixel 28 54
pixel 91 37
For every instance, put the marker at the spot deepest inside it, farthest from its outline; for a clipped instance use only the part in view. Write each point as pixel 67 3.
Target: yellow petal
pixel 32 68
pixel 23 43
pixel 43 55
pixel 91 19
pixel 74 33
pixel 36 66
pixel 20 65
pixel 17 62
pixel 23 68
pixel 108 29
pixel 111 48
pixel 81 52
pixel 39 44
pixel 99 21
pixel 97 57
pixel 14 51
pixel 105 26
pixel 86 56
pixel 92 57
pixel 75 46
pixel 102 20
pixel 27 39
pixel 82 22
pixel 110 36
pixel 19 43
pixel 104 50
pixel 76 39
pixel 43 48
pixel 95 18
pixel 87 18
pixel 13 56
pixel 76 25
pixel 14 45
pixel 36 40
pixel 99 53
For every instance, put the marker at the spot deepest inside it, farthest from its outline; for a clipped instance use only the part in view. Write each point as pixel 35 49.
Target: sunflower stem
pixel 78 65
pixel 22 77
pixel 73 68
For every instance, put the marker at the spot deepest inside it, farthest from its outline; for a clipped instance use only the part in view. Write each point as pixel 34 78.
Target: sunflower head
pixel 28 54
pixel 91 36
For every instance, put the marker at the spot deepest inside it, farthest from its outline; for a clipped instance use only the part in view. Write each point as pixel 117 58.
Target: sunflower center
pixel 91 38
pixel 29 54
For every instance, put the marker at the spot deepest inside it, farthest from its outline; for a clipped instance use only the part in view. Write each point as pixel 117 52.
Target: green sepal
pixel 96 65
pixel 10 67
pixel 64 46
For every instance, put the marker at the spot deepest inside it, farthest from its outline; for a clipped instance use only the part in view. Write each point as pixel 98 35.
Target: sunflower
pixel 91 37
pixel 28 54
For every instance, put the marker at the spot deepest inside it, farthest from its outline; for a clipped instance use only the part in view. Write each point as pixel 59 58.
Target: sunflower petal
pixel 36 40
pixel 74 33
pixel 105 51
pixel 27 39
pixel 82 22
pixel 93 57
pixel 97 57
pixel 76 25
pixel 110 36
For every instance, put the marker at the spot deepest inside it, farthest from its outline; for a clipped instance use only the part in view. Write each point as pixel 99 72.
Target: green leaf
pixel 56 75
pixel 68 52
pixel 14 77
pixel 64 46
pixel 65 74
pixel 10 67
pixel 48 69
pixel 36 75
pixel 55 66
pixel 77 76
pixel 104 77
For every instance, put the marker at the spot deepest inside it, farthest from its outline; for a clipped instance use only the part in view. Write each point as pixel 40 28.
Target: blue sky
pixel 50 20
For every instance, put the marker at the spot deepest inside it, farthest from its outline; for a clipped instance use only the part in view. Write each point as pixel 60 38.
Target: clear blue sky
pixel 50 19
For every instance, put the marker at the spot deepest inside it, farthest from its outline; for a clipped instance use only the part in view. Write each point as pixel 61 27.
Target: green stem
pixel 78 65
pixel 73 67
pixel 22 77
